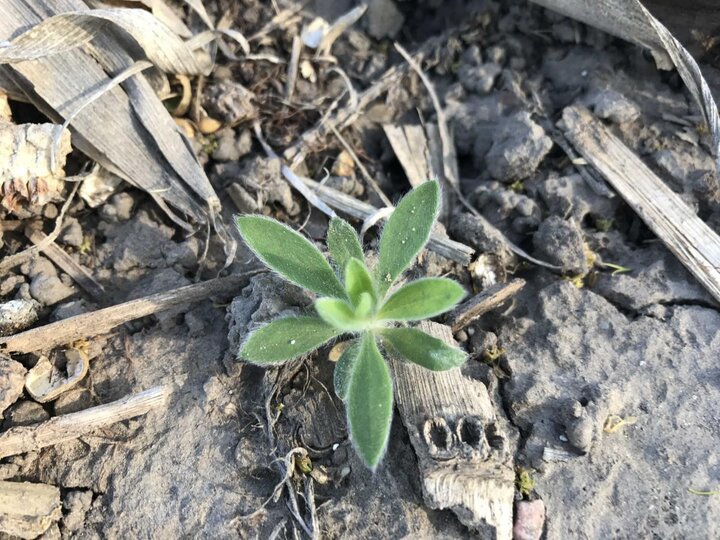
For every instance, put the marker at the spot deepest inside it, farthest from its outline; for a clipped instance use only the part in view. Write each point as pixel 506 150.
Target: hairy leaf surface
pixel 418 347
pixel 406 232
pixel 370 403
pixel 422 299
pixel 358 280
pixel 343 369
pixel 285 339
pixel 338 313
pixel 290 254
pixel 343 243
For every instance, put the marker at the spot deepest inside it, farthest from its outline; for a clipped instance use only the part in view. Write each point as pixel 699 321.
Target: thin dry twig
pixel 483 302
pixel 21 439
pixel 363 170
pixel 70 266
pixel 292 71
pixel 19 258
pixel 103 320
pixel 290 175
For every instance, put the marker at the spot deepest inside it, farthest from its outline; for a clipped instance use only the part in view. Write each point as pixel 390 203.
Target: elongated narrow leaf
pixel 418 347
pixel 290 254
pixel 358 280
pixel 422 299
pixel 343 243
pixel 338 313
pixel 406 232
pixel 370 403
pixel 344 368
pixel 285 339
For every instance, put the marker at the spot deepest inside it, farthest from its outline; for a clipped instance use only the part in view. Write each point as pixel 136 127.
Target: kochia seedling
pixel 356 300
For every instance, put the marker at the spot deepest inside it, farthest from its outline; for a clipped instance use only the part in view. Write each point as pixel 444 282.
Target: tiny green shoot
pixel 354 299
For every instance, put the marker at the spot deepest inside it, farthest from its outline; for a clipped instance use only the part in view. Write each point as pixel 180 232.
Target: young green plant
pixel 355 300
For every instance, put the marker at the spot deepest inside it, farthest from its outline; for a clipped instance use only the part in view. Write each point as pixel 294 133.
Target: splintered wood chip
pixel 28 176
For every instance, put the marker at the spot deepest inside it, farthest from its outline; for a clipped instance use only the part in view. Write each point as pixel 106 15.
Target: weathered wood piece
pixel 694 243
pixel 21 439
pixel 103 320
pixel 27 510
pixel 67 264
pixel 450 249
pixel 462 456
pixel 483 302
pixel 410 145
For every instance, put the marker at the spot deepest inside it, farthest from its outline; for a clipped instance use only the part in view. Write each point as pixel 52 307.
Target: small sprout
pixel 524 482
pixel 615 422
pixel 706 493
pixel 305 465
pixel 493 353
pixel 578 281
pixel 617 269
pixel 354 299
pixel 518 186
pixel 604 225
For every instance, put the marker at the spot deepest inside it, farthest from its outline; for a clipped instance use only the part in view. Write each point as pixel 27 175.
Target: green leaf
pixel 344 368
pixel 406 232
pixel 370 403
pixel 422 299
pixel 339 314
pixel 365 305
pixel 358 280
pixel 290 254
pixel 285 339
pixel 418 347
pixel 343 243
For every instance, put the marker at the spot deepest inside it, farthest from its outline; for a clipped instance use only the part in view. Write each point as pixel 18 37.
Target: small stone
pixel 72 233
pixel 472 56
pixel 615 107
pixel 580 433
pixel 12 380
pixel 227 148
pixel 49 289
pixel 118 208
pixel 24 413
pixel 479 79
pixel 228 101
pixel 561 243
pixel 383 19
pixel 16 315
pixel 195 322
pixel 70 309
pixel 496 54
pixel 517 149
pixel 10 283
pixel 76 503
pixel 529 520
pixel 72 401
pixel 50 211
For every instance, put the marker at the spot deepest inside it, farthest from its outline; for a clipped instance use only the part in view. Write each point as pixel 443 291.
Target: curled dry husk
pixel 45 382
